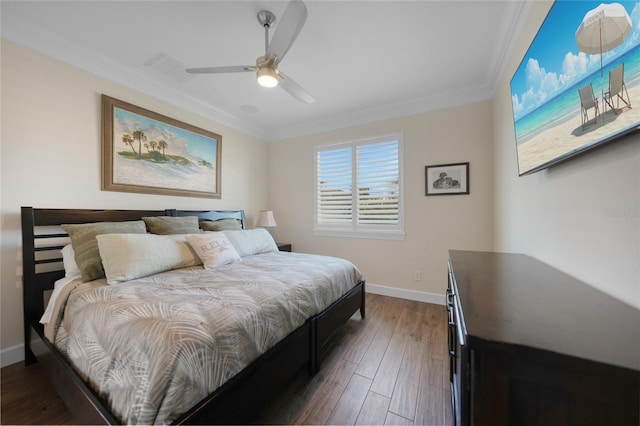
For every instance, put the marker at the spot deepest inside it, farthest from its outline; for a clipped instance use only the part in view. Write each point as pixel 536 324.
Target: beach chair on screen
pixel 617 90
pixel 588 101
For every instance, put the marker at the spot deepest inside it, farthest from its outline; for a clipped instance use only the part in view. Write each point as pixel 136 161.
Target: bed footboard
pixel 85 405
pixel 237 400
pixel 327 323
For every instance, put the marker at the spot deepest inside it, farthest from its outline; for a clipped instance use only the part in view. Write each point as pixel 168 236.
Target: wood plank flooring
pixel 390 369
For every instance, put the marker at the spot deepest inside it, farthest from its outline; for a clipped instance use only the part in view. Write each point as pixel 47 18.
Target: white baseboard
pixel 11 355
pixel 420 296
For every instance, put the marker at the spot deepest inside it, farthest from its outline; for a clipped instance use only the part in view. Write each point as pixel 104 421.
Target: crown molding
pixel 514 21
pixel 380 113
pixel 52 45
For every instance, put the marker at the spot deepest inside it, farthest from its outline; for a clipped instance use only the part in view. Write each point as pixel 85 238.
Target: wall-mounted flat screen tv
pixel 578 86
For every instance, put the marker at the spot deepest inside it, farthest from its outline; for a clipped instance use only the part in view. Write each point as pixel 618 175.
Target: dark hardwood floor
pixel 29 398
pixel 390 369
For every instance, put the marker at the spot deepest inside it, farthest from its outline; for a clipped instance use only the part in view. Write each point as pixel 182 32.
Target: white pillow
pixel 214 249
pixel 252 241
pixel 129 256
pixel 69 261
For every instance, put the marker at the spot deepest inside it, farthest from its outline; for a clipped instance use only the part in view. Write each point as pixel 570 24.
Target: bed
pixel 309 321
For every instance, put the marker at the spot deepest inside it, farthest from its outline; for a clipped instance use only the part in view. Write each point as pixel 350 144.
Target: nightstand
pixel 284 246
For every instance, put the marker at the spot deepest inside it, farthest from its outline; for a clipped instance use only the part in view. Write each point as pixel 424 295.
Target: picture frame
pixel 447 179
pixel 146 152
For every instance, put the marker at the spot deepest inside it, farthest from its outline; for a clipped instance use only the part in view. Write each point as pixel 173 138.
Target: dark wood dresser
pixel 530 345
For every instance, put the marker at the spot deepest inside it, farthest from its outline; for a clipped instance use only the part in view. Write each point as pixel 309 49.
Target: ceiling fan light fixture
pixel 266 68
pixel 267 77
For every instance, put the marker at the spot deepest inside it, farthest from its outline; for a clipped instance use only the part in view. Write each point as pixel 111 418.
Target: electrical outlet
pixel 417 275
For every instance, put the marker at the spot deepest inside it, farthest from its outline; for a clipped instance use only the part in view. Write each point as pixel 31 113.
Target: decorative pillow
pixel 214 249
pixel 85 245
pixel 221 225
pixel 169 225
pixel 252 241
pixel 69 261
pixel 129 256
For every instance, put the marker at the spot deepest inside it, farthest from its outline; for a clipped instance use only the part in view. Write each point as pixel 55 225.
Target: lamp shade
pixel 266 219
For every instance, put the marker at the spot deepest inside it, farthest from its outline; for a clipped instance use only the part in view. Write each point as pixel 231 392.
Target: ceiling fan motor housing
pixel 266 18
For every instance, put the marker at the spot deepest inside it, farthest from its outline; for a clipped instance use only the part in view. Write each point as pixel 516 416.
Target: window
pixel 359 188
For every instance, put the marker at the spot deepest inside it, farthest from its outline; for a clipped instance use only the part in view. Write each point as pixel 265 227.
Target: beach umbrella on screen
pixel 603 29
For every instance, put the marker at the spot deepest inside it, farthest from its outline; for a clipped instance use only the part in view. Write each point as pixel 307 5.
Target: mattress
pixel 155 346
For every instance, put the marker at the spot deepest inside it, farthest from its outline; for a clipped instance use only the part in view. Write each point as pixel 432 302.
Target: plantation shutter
pixel 335 177
pixel 359 187
pixel 378 183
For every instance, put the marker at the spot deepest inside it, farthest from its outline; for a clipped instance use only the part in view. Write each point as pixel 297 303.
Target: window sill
pixel 369 234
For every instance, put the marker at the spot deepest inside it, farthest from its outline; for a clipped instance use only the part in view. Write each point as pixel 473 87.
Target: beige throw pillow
pixel 170 225
pixel 129 256
pixel 214 249
pixel 221 225
pixel 252 241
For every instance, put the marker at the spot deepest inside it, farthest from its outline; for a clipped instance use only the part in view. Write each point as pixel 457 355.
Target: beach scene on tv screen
pixel 579 82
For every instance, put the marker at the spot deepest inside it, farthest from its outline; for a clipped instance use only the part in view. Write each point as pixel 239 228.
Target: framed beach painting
pixel 447 179
pixel 578 85
pixel 150 153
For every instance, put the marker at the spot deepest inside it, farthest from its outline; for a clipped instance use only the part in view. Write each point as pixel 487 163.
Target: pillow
pixel 69 261
pixel 129 256
pixel 214 249
pixel 169 225
pixel 252 241
pixel 85 245
pixel 221 225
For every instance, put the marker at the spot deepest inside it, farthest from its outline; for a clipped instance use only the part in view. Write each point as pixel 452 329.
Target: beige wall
pixel 432 224
pixel 50 157
pixel 582 216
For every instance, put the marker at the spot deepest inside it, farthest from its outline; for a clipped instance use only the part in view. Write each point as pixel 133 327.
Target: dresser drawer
pixel 459 368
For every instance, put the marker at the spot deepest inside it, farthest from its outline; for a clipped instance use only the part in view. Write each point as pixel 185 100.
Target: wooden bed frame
pixel 235 401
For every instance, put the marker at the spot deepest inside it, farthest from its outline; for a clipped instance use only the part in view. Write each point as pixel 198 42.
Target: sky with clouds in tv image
pixel 544 89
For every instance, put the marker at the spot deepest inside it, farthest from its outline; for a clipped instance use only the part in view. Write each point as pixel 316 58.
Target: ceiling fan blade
pixel 295 89
pixel 220 70
pixel 292 21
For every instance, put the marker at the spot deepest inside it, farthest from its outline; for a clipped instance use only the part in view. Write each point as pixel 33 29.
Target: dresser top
pixel 517 299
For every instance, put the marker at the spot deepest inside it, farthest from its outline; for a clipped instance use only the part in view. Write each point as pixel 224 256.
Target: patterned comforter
pixel 155 346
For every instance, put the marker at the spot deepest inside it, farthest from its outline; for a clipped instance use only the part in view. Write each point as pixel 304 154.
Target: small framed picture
pixel 447 179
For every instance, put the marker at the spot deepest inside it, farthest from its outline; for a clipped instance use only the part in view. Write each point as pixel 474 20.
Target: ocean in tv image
pixel 548 116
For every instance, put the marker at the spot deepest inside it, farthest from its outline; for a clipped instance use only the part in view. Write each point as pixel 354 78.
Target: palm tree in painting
pixel 153 145
pixel 139 136
pixel 128 140
pixel 162 145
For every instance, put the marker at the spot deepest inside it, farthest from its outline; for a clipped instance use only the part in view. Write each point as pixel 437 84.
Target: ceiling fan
pixel 266 67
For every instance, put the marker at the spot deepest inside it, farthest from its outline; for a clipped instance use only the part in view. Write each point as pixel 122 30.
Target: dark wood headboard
pixel 43 238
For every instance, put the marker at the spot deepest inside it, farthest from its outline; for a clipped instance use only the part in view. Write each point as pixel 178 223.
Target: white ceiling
pixel 361 60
